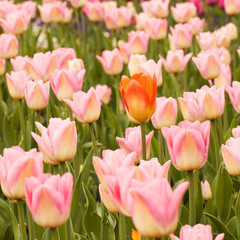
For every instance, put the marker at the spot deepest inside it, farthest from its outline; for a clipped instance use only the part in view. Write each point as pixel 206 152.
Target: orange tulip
pixel 136 235
pixel 139 95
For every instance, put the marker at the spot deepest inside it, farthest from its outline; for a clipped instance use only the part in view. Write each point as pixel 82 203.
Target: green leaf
pixel 231 226
pixel 198 201
pixel 221 227
pixel 47 234
pixel 15 226
pixel 237 212
pixel 229 131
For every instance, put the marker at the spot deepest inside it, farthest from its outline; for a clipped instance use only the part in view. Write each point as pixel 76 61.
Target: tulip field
pixel 119 120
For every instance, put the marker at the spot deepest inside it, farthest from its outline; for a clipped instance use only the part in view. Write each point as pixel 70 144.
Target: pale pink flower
pixel 223 54
pixel 206 40
pixel 234 95
pixel 134 61
pixel 222 37
pixel 139 41
pixel 78 3
pixel 7 7
pixel 76 63
pixel 63 55
pixel 19 63
pixel 141 19
pixel 125 50
pixel 2 66
pixel 232 31
pixel 206 190
pixel 29 7
pixel 232 7
pixel 94 11
pixel 8 46
pixel 197 25
pixel 236 132
pixel 224 78
pixel 104 93
pixel 159 9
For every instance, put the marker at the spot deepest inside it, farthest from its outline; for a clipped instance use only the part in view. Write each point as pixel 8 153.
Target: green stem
pixel 161 148
pixel 176 85
pixel 68 230
pixel 62 168
pixel 91 127
pixel 144 156
pixel 122 227
pixel 216 143
pixel 21 219
pixel 22 120
pixel 54 234
pixel 192 210
pixel 30 225
pixel 78 24
pixel 116 85
pixel 83 32
pixel 48 112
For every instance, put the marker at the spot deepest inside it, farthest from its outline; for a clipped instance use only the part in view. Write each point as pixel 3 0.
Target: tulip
pixel 236 132
pixel 152 68
pixel 208 64
pixel 134 61
pixel 78 3
pixel 176 61
pixel 94 11
pixel 154 207
pixel 223 37
pixel 223 54
pixel 182 12
pixel 76 63
pixel 232 30
pixel 15 166
pixel 206 190
pixel 197 25
pixel 8 46
pixel 159 9
pixel 197 232
pixel 29 7
pixel 221 4
pixel 199 5
pixel 188 144
pixel 16 83
pixel 37 94
pixel 104 93
pixel 125 50
pixel 181 37
pixel 7 7
pixel 139 95
pixel 86 107
pixel 2 66
pixel 48 198
pixel 157 28
pixel 206 40
pixel 135 235
pixel 139 41
pixel 141 19
pixel 232 7
pixel 19 63
pixel 166 112
pixel 133 142
pixel 224 78
pixel 111 61
pixel 109 5
pixel 234 95
pixel 58 142
pixel 65 83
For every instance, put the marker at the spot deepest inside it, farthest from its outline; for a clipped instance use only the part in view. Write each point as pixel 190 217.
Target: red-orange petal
pixel 136 235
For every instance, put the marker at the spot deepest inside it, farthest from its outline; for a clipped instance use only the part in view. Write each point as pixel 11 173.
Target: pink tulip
pixel 221 4
pixel 86 107
pixel 157 28
pixel 208 64
pixel 29 7
pixel 134 61
pixel 199 5
pixel 37 94
pixel 94 11
pixel 224 78
pixel 189 105
pixel 232 31
pixel 236 132
pixel 41 65
pixel 188 144
pixel 19 63
pixel 222 37
pixel 8 46
pixel 104 93
pixel 15 166
pixel 76 63
pixel 232 7
pixel 141 19
pixel 63 55
pixel 206 40
pixel 234 95
pixel 111 61
pixel 7 7
pixel 152 68
pixel 197 25
pixel 181 37
pixel 16 83
pixel 211 101
pixel 2 66
pixel 165 114
pixel 176 61
pixel 197 232
pixel 15 23
pixel 154 207
pixel 206 190
pixel 159 9
pixel 65 83
pixel 48 198
pixel 78 3
pixel 139 41
pixel 133 142
pixel 182 12
pixel 109 5
pixel 58 142
pixel 125 50
pixel 223 54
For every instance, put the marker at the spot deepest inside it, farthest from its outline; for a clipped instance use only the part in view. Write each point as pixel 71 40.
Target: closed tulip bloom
pixel 125 50
pixel 111 61
pixel 86 107
pixel 78 3
pixel 7 7
pixel 223 54
pixel 232 30
pixel 135 60
pixel 211 101
pixel 206 40
pixel 152 69
pixel 234 95
pixel 166 112
pixel 222 37
pixel 109 5
pixel 190 108
pixel 133 142
pixel 8 46
pixel 16 83
pixel 157 28
pixel 197 25
pixel 176 61
pixel 2 66
pixel 208 64
pixel 141 19
pixel 159 9
pixel 181 36
pixel 76 63
pixel 232 7
pixel 19 63
pixel 199 5
pixel 206 190
pixel 48 198
pixel 139 95
pixel 62 56
pixel 65 83
pixel 236 132
pixel 15 23
pixel 182 12
pixel 94 11
pixel 188 144
pixel 104 93
pixel 37 94
pixel 58 142
pixel 29 7
pixel 197 232
pixel 15 166
pixel 154 207
pixel 139 41
pixel 224 78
